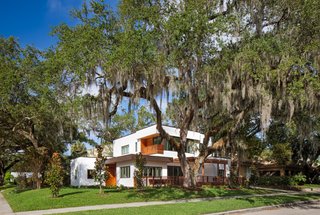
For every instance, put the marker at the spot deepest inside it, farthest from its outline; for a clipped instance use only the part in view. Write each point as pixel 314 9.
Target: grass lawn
pixel 204 207
pixel 310 186
pixel 72 197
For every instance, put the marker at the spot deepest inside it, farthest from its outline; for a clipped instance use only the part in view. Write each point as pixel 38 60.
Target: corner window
pixel 90 174
pixel 125 172
pixel 125 149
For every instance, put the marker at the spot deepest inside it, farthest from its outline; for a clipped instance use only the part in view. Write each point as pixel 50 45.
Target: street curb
pixel 265 207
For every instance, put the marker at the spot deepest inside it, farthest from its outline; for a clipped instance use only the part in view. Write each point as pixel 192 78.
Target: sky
pixel 31 21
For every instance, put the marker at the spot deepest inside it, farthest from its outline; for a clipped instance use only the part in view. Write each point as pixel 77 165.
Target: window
pixel 157 140
pixel 192 146
pixel 221 170
pixel 168 146
pixel 90 174
pixel 76 174
pixel 136 146
pixel 151 171
pixel 125 172
pixel 174 171
pixel 125 149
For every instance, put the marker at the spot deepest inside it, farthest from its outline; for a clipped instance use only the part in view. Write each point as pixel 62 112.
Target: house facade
pixel 162 164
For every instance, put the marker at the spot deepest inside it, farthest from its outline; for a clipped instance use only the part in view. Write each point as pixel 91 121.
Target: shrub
pixel 8 178
pixel 298 179
pixel 22 182
pixel 280 180
pixel 54 175
pixel 272 180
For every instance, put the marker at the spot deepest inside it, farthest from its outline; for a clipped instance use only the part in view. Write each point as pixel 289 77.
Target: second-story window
pixel 125 149
pixel 157 140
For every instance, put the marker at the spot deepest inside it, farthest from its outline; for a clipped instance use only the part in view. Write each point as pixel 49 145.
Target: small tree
pixel 54 174
pixel 138 173
pixel 101 173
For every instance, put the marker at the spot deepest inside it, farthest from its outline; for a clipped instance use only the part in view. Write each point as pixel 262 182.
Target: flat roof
pixel 132 157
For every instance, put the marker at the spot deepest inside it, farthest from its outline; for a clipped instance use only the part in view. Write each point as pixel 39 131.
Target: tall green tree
pixel 217 62
pixel 30 106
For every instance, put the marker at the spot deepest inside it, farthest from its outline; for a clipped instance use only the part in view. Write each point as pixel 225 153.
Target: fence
pixel 178 181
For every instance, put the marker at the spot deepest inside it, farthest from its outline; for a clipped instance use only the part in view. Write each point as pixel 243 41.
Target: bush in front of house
pixel 298 179
pixel 277 181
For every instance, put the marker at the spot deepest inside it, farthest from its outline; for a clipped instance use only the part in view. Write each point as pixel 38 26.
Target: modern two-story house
pixel 162 164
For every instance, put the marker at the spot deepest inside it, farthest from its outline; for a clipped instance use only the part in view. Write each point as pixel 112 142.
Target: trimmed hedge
pixel 280 180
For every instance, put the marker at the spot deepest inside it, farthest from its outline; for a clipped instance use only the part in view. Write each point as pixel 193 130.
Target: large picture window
pixel 125 172
pixel 151 171
pixel 125 150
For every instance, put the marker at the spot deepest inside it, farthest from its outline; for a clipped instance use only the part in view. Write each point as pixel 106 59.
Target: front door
pixel 111 181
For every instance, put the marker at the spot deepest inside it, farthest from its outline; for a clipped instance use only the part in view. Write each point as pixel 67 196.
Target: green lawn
pixel 310 186
pixel 205 206
pixel 72 197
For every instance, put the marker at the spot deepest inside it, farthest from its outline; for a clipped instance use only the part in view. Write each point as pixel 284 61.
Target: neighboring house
pixel 162 164
pixel 82 171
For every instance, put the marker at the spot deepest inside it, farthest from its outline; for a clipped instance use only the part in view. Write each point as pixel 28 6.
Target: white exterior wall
pixel 127 182
pixel 127 140
pixel 79 167
pixel 135 137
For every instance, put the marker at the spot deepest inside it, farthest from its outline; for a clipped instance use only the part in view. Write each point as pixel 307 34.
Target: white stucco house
pixel 162 164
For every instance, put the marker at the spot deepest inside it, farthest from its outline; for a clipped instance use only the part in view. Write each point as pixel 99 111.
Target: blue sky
pixel 31 21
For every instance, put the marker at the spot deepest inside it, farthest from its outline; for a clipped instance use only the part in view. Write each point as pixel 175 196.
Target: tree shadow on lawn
pixel 72 193
pixel 164 194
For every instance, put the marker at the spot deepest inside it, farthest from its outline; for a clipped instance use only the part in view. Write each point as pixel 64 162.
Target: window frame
pixel 125 172
pixel 123 151
pixel 90 173
pixel 156 171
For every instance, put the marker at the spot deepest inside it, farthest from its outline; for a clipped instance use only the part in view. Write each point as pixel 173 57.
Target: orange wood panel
pixel 112 180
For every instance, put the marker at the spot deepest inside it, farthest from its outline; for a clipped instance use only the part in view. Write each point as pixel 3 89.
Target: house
pixel 162 164
pixel 82 172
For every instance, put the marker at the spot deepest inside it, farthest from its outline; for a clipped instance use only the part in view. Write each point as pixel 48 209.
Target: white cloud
pixel 54 5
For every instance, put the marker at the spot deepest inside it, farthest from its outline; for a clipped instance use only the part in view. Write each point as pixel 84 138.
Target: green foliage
pixel 54 175
pixel 284 181
pixel 140 163
pixel 8 178
pixel 78 149
pixel 298 179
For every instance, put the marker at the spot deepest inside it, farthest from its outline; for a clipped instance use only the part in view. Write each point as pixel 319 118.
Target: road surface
pixel 308 209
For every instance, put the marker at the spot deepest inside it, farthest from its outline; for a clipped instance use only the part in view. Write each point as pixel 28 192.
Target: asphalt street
pixel 308 209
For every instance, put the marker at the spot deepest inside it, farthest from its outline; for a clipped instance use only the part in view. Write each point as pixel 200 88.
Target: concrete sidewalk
pixel 140 204
pixel 5 208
